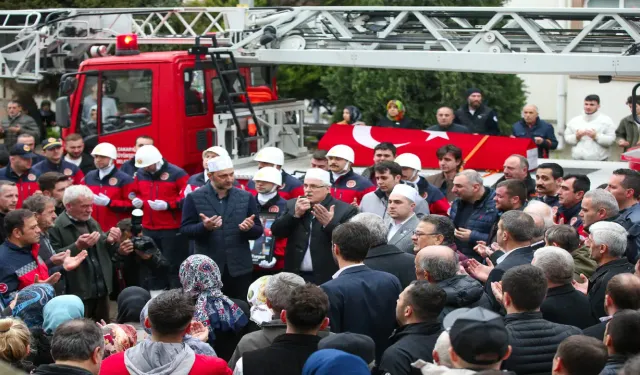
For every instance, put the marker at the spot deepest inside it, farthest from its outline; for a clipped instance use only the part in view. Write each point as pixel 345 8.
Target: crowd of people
pixel 335 272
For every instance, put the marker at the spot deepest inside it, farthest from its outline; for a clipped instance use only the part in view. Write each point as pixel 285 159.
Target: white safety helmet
pixel 271 155
pixel 105 149
pixel 342 151
pixel 147 155
pixel 408 160
pixel 269 174
pixel 220 151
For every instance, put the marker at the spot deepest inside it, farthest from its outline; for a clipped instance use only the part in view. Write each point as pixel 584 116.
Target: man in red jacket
pixel 346 185
pixel 169 319
pixel 19 171
pixel 157 190
pixel 110 187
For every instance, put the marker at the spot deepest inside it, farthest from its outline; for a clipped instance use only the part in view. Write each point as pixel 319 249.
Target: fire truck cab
pixel 174 99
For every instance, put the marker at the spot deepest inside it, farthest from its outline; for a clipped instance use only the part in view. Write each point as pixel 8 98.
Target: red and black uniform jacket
pixel 18 268
pixel 116 185
pixel 66 168
pixel 291 187
pixel 166 184
pixel 438 203
pixel 27 183
pixel 275 205
pixel 350 186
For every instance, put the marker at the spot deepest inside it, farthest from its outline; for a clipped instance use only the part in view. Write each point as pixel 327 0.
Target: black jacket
pixel 599 280
pixel 483 121
pixel 60 370
pixel 297 233
pixel 534 342
pixel 405 123
pixel 286 356
pixel 408 344
pixel 453 128
pixel 463 291
pixel 565 305
pixel 614 364
pixel 518 257
pixel 389 258
pixel 86 163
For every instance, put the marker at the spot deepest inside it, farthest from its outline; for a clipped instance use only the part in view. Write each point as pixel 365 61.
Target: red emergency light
pixel 127 45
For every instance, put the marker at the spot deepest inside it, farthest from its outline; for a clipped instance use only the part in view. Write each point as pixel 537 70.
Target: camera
pixel 141 243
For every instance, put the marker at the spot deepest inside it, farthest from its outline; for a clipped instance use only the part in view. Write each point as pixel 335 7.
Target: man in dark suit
pixel 307 224
pixel 623 293
pixel 563 304
pixel 361 300
pixel 382 256
pixel 515 231
pixel 607 244
pixel 221 219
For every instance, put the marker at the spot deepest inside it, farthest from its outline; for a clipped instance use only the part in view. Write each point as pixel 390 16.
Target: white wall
pixel 542 90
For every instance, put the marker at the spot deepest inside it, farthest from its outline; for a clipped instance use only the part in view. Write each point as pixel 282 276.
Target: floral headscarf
pixel 260 313
pixel 200 276
pixel 118 338
pixel 30 304
pixel 401 110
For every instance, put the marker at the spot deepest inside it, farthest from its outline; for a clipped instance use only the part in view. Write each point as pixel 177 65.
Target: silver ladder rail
pixel 473 39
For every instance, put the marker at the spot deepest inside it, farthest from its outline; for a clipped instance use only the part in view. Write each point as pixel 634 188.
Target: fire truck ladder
pixel 228 73
pixel 472 39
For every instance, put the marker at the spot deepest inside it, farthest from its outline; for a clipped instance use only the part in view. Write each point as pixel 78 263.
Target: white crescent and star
pixel 362 135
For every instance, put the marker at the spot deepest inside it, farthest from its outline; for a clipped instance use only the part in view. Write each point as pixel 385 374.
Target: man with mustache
pixel 346 185
pixel 548 181
pixel 308 223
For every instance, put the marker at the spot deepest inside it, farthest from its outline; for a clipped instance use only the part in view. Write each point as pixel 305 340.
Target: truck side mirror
pixel 63 112
pixel 68 86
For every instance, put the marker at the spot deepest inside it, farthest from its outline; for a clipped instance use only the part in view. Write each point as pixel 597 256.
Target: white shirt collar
pixel 506 253
pixel 407 219
pixel 335 275
pixel 105 171
pixel 206 177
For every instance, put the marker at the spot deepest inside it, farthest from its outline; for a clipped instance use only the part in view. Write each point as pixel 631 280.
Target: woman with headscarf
pixel 131 301
pixel 395 117
pixel 351 115
pixel 226 318
pixel 61 309
pixel 199 346
pixel 30 308
pixel 118 338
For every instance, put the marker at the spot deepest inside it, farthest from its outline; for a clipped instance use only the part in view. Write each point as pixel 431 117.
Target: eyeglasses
pixel 313 187
pixel 418 234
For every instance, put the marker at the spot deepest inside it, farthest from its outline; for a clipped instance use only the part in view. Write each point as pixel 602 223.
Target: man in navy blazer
pixel 221 219
pixel 361 300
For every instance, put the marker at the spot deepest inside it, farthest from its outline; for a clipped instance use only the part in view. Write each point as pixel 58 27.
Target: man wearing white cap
pixel 157 188
pixel 402 202
pixel 221 219
pixel 198 180
pixel 110 187
pixel 308 223
pixel 291 187
pixel 411 167
pixel 346 185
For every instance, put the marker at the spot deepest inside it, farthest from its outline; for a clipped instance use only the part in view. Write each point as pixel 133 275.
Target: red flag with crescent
pixel 480 151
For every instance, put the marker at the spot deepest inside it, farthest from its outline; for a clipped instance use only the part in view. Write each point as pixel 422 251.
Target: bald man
pixel 439 265
pixel 542 133
pixel 446 117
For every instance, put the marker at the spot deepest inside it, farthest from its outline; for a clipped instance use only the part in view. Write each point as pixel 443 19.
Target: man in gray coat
pixel 403 221
pixel 17 123
pixel 387 175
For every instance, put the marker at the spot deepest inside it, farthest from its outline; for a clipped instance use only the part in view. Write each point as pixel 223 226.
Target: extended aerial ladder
pixel 585 41
pixel 491 40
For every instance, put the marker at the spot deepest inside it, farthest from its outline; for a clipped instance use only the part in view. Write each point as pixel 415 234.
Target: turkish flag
pixel 478 151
